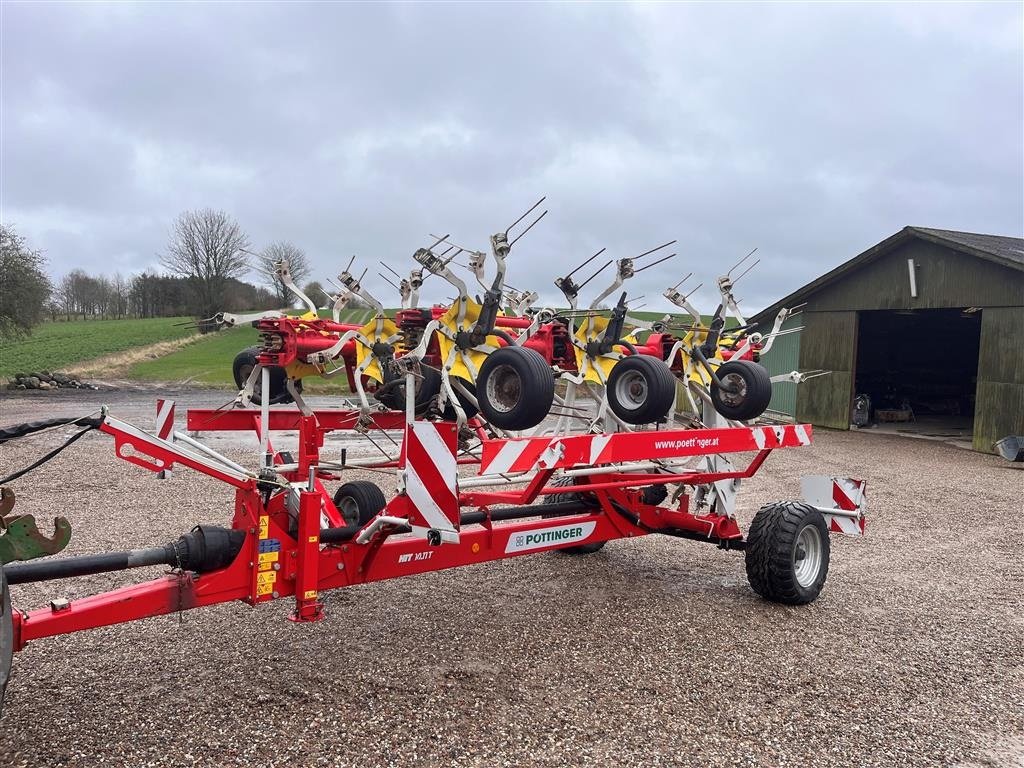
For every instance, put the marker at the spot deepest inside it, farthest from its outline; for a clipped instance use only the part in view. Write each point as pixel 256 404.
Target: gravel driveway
pixel 651 652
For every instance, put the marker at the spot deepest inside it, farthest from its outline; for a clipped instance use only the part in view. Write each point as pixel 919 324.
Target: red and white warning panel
pixel 431 475
pixel 841 500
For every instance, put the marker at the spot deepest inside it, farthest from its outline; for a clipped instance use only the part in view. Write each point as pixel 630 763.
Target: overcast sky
pixel 809 131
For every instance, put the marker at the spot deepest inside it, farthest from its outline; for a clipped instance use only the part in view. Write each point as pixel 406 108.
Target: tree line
pixel 205 259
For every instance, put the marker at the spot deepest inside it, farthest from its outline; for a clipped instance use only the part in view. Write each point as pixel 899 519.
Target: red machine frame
pixel 283 554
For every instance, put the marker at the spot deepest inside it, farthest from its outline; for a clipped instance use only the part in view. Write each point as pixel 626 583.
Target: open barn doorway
pixel 919 368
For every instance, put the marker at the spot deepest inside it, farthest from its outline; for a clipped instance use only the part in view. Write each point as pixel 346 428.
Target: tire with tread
pixel 359 501
pixel 775 550
pixel 579 549
pixel 242 366
pixel 641 389
pixel 756 390
pixel 515 388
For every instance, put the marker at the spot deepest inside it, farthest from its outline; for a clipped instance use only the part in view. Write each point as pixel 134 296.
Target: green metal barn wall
pixel 829 342
pixel 784 357
pixel 945 279
pixel 999 404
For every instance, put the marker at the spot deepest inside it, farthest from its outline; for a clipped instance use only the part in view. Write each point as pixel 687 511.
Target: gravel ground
pixel 650 652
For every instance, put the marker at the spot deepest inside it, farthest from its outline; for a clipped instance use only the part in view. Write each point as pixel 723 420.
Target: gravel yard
pixel 650 652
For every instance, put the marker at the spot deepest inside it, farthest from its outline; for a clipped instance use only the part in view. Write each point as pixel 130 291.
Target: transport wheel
pixel 359 502
pixel 751 390
pixel 6 636
pixel 641 389
pixel 515 388
pixel 428 384
pixel 787 552
pixel 467 406
pixel 568 482
pixel 245 361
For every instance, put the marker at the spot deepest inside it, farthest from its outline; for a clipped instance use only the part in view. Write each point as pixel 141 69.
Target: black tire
pixel 359 502
pixel 242 366
pixel 753 390
pixel 467 406
pixel 515 388
pixel 654 494
pixel 6 637
pixel 787 553
pixel 427 386
pixel 641 389
pixel 568 482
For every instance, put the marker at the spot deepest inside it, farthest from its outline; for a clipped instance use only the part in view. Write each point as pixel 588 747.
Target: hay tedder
pixel 498 431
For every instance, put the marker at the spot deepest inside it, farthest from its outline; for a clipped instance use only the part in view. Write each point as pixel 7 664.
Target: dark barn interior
pixel 922 360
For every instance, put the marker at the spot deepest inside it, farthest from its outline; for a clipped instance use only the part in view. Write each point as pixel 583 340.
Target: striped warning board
pixel 165 428
pixel 841 500
pixel 431 478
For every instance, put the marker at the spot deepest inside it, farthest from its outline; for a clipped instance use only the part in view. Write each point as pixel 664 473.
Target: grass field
pixel 208 360
pixel 55 346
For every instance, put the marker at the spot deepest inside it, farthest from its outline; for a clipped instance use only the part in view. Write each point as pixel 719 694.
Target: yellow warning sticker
pixel 264 589
pixel 266 578
pixel 269 557
pixel 264 526
pixel 309 594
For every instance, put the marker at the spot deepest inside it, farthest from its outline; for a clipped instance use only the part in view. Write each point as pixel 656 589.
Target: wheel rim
pixel 504 388
pixel 349 510
pixel 631 390
pixel 735 390
pixel 808 556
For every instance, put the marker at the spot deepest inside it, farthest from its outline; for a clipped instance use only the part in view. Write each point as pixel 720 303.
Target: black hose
pixel 504 335
pixel 20 430
pixel 39 462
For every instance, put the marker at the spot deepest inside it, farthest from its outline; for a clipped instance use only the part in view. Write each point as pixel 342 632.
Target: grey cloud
pixel 811 131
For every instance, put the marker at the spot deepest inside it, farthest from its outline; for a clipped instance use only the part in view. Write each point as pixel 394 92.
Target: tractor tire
pixel 787 553
pixel 359 502
pixel 579 549
pixel 427 386
pixel 471 410
pixel 515 388
pixel 6 636
pixel 752 387
pixel 641 389
pixel 242 366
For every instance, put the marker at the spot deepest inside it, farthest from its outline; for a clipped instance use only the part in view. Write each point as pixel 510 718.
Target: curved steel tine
pixel 602 269
pixel 648 253
pixel 654 263
pixel 581 266
pixel 517 237
pixel 688 276
pixel 740 262
pixel 532 207
pixel 745 271
pixel 390 269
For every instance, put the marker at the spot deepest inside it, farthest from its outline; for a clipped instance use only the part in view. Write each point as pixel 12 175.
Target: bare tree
pixel 24 286
pixel 208 248
pixel 298 265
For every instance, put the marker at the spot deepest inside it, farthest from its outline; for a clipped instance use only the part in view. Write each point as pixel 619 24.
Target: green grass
pixel 54 346
pixel 208 360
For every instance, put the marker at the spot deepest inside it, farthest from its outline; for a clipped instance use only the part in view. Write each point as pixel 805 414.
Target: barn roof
pixel 1005 251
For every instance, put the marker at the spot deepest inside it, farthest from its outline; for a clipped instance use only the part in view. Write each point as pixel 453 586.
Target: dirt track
pixel 651 652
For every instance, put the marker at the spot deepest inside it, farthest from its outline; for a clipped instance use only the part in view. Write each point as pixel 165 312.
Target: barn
pixel 929 324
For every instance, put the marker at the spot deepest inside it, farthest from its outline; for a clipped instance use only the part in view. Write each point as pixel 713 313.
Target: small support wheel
pixel 787 553
pixel 641 389
pixel 359 502
pixel 242 366
pixel 515 388
pixel 748 390
pixel 579 549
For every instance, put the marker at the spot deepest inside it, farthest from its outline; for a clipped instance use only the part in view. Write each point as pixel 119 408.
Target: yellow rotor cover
pixel 377 330
pixel 592 330
pixel 450 321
